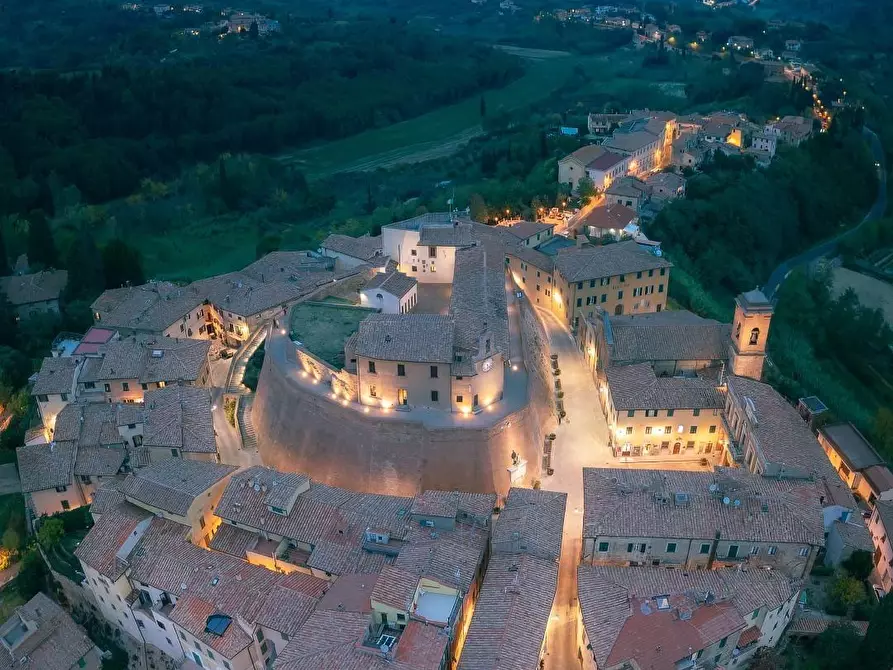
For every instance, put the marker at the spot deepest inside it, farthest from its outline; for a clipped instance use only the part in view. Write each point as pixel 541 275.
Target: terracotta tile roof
pixel 99 461
pixel 38 287
pixel 233 541
pixel 576 264
pixel 107 496
pixel 879 477
pixel 815 625
pixel 395 283
pixel 511 614
pixel 783 438
pixel 88 424
pixel 885 513
pixel 57 642
pixel 531 522
pixel 624 623
pixel 290 603
pixel 92 341
pixel 174 483
pixel 630 503
pixel 749 636
pixel 178 360
pixel 611 217
pixel 628 186
pixel 179 417
pixel 585 155
pixel 851 445
pixel 350 593
pixel 413 338
pixel 151 307
pixel 395 588
pixel 438 235
pixel 669 181
pixel 129 413
pixel 478 304
pixel 854 534
pixel 605 161
pixel 99 549
pixel 451 558
pixel 45 466
pixel 449 504
pixel 364 248
pixel 525 229
pixel 630 142
pixel 56 376
pixel 666 336
pixel 636 387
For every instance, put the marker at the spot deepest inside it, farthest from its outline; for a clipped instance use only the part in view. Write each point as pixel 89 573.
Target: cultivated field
pixel 872 292
pixel 436 133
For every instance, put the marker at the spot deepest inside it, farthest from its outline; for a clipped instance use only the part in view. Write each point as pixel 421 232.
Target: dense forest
pixel 104 131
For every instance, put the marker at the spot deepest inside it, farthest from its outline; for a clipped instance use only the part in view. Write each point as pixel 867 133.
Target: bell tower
pixel 750 332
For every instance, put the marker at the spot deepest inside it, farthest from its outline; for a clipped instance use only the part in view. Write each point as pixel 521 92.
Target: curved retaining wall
pixel 300 431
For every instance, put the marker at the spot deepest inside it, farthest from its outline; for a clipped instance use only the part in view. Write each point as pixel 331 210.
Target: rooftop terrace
pixel 323 328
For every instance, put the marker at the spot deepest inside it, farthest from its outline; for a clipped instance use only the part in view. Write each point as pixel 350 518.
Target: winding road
pixel 829 247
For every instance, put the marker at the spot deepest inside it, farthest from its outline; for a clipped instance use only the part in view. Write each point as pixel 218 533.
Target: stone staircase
pixel 240 361
pixel 246 424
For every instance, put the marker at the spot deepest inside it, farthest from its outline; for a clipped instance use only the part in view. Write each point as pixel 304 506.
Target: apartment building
pixel 607 168
pixel 573 167
pixel 656 416
pixel 124 370
pixel 772 437
pixel 176 421
pixel 856 462
pixel 880 525
pixel 700 520
pixel 511 616
pixel 629 191
pixel 425 247
pixel 697 620
pixel 613 221
pixel 37 293
pixel 181 490
pixel 531 233
pixel 41 635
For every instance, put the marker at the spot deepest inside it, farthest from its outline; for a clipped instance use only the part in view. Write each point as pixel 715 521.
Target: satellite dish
pixel 737 503
pixel 726 501
pixel 713 488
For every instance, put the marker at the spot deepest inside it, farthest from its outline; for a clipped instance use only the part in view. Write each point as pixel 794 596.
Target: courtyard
pixel 323 328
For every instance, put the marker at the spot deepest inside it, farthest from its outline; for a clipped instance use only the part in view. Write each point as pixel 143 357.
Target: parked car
pixel 226 353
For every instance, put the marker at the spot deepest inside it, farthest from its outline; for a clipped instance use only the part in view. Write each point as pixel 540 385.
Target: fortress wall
pixel 300 431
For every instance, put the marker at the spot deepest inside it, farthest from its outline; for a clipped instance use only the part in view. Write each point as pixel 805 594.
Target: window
pixel 210 654
pixel 161 625
pixel 160 385
pixel 89 385
pixel 804 552
pixel 263 648
pixel 620 295
pixel 260 635
pixel 227 666
pixel 434 372
pixel 629 430
pixel 733 551
pixel 108 388
pixel 183 637
pixel 712 429
pixel 648 430
pixel 64 397
pixel 705 548
pixel 591 283
pixel 629 547
pixel 201 522
pixel 61 489
pixel 754 551
pixel 638 275
pixel 650 273
pixel 435 396
pixel 579 302
pixel 604 297
pixel 754 336
pixel 401 370
pixel 372 367
pixel 622 278
pixel 651 413
pixel 693 430
pixel 175 453
pixel 460 398
pixel 722 642
pixel 415 268
pixel 85 479
pixel 402 397
pixel 670 413
pixel 65 505
pixel 663 271
pixel 631 413
pixel 605 281
pixel 373 392
pixel 772 550
pixel 412 252
pixel 580 285
pixel 671 547
pixel 603 546
pixel 668 430
pixel 696 412
pixel 432 252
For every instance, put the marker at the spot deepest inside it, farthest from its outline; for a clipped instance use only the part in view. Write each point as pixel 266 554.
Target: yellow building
pixel 856 461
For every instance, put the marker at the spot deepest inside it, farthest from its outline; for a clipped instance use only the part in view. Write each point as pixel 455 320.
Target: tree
pixel 253 31
pixel 266 244
pixel 483 107
pixel 4 258
pixel 370 201
pixel 585 188
pixel 876 651
pixel 51 532
pixel 14 371
pixel 11 540
pixel 478 207
pixel 32 576
pixel 846 591
pixel 121 264
pixel 86 278
pixel 837 647
pixel 41 247
pixel 883 431
pixel 859 564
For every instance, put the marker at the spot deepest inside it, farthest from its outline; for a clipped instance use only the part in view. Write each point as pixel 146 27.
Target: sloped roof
pixel 363 248
pixel 593 262
pixel 611 217
pixel 852 445
pixel 413 338
pixel 635 387
pixel 585 155
pixel 395 283
pixel 666 336
pixel 525 229
pixel 625 503
pixel 38 287
pixel 56 375
pixel 536 518
pixel 99 549
pixel 165 360
pixel 174 483
pixel 179 417
pixel 45 466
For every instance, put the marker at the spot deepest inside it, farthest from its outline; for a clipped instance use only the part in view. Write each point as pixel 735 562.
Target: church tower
pixel 750 332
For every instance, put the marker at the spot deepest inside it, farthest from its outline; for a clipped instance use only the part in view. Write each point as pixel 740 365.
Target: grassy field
pixel 439 132
pixel 323 328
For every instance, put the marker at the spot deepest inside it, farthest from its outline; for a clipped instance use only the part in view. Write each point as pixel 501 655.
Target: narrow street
pixel 582 441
